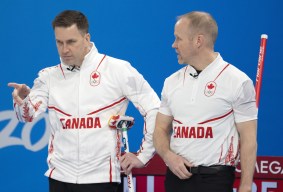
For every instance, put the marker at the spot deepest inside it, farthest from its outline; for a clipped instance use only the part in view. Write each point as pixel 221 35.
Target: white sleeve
pixel 164 106
pixel 36 102
pixel 244 104
pixel 143 97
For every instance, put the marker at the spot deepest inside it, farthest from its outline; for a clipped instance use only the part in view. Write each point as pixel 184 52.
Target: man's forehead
pixel 71 27
pixel 67 33
pixel 182 21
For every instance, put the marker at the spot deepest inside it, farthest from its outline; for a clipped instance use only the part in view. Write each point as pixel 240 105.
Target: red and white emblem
pixel 210 88
pixel 94 78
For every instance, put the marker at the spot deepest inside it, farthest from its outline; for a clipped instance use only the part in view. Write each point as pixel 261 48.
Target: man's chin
pixel 181 62
pixel 68 63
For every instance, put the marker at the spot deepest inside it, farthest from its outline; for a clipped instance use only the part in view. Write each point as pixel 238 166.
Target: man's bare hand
pixel 178 165
pixel 20 92
pixel 129 161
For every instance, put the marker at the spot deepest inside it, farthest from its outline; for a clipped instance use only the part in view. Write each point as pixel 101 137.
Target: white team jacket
pixel 82 147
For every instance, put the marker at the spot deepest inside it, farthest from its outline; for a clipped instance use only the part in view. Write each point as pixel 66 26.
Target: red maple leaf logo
pixel 95 75
pixel 210 86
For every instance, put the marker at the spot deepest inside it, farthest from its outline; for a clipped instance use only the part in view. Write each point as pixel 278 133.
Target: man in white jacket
pixel 81 94
pixel 207 119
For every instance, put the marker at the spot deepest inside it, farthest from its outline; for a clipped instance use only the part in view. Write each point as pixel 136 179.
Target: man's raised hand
pixel 20 92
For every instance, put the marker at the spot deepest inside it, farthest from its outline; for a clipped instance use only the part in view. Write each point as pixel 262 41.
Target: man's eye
pixel 71 42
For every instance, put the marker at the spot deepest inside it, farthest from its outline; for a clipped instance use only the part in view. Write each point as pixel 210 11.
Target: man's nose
pixel 174 45
pixel 65 48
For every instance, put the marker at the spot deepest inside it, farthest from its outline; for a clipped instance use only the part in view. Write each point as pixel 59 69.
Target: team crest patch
pixel 95 78
pixel 210 88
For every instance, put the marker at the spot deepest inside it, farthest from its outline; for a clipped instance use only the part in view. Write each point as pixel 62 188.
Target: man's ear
pixel 87 37
pixel 199 40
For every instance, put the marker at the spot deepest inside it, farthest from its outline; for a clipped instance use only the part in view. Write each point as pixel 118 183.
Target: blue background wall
pixel 141 32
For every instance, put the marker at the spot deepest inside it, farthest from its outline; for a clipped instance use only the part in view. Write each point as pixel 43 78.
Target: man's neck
pixel 205 60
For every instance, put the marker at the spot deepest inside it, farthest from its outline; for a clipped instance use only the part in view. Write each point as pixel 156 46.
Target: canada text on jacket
pixel 197 132
pixel 81 123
